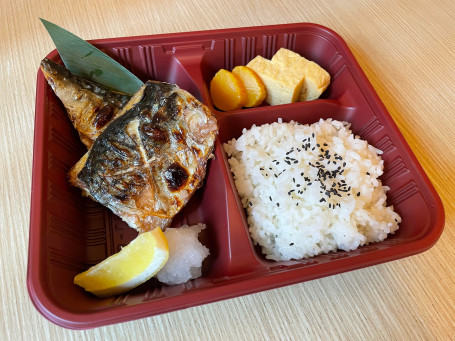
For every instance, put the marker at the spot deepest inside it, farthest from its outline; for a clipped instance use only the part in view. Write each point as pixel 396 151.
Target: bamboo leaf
pixel 84 59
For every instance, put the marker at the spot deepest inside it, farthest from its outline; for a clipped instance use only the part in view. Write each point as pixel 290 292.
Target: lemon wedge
pixel 134 264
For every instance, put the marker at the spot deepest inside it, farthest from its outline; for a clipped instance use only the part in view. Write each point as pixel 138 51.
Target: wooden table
pixel 407 50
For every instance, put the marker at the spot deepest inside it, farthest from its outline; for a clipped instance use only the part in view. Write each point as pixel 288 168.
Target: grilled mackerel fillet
pixel 90 106
pixel 148 162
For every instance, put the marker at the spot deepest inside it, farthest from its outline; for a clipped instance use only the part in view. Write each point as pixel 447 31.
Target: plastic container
pixel 69 233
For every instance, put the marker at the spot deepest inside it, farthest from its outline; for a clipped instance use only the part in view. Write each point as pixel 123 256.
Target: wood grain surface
pixel 407 50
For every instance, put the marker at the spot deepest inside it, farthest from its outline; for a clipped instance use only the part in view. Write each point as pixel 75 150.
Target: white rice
pixel 310 189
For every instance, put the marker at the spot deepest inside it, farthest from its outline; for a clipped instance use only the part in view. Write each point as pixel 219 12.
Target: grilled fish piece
pixel 90 106
pixel 148 162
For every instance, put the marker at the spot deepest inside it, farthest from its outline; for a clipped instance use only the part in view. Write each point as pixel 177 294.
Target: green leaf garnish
pixel 84 59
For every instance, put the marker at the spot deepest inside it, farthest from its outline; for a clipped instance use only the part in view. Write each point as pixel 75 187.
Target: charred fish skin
pixel 148 162
pixel 90 106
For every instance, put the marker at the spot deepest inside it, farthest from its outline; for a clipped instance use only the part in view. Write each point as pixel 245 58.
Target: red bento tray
pixel 69 233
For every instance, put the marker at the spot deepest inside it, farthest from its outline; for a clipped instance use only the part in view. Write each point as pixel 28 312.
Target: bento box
pixel 69 233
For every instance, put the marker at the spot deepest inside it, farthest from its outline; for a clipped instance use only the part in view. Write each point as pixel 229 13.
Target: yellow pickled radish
pixel 255 88
pixel 227 91
pixel 134 264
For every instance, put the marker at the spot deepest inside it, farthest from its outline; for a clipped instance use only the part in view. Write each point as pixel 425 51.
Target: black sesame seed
pixel 278 204
pixel 270 198
pixel 358 194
